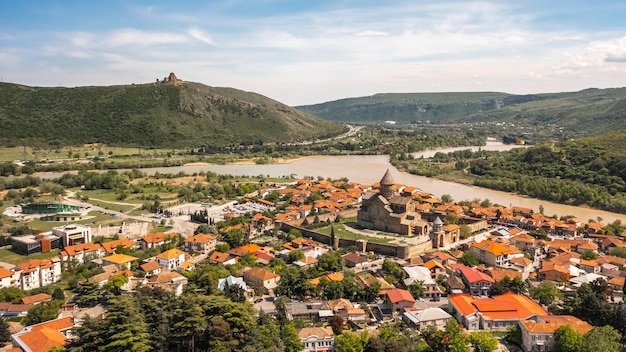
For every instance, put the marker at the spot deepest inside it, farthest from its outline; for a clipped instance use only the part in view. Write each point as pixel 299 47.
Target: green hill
pixel 151 115
pixel 589 111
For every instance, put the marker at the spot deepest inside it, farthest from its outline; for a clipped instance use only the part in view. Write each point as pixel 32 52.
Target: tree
pixel 589 255
pixel 348 342
pixel 605 339
pixel 546 292
pixel 336 323
pixel 517 285
pixel 125 327
pixel 42 312
pixel 234 238
pixel 566 339
pixel 446 198
pixel 5 334
pixel 469 258
pixel 483 341
pixel 290 339
pixel 58 294
pixel 87 336
pixel 295 255
pixel 330 261
pixel 416 288
pixel 188 321
pixel 457 340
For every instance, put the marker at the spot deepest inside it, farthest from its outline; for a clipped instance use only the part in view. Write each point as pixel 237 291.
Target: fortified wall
pixel 403 251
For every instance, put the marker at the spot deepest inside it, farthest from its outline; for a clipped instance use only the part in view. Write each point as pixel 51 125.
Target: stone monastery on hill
pixel 387 210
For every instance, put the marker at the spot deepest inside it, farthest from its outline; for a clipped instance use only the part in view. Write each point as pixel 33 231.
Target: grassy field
pixel 341 232
pixel 29 153
pixel 9 256
pixel 48 225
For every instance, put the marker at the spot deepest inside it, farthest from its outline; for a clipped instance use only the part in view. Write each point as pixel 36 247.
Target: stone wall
pixel 403 251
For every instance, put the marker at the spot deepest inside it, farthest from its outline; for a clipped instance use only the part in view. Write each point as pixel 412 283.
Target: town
pixel 335 259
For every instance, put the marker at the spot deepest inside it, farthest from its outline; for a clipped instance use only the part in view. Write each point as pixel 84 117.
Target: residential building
pixel 111 246
pixel 73 234
pixel 169 280
pixel 151 268
pixel 539 335
pixel 553 272
pixel 153 240
pixel 423 275
pixel 36 299
pixel 309 311
pixel 80 253
pixel 37 273
pixel 398 300
pixel 261 277
pixel 494 253
pixel 230 281
pixel 122 261
pixel 222 258
pixel 44 336
pixel 200 243
pixel 8 278
pixel 420 319
pixel 496 313
pixel 476 282
pixel 317 339
pixel 171 259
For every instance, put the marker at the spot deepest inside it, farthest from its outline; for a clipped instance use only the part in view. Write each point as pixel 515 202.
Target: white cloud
pixel 198 34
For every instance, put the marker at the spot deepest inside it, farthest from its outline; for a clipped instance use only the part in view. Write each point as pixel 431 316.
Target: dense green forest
pixel 535 116
pixel 150 115
pixel 588 171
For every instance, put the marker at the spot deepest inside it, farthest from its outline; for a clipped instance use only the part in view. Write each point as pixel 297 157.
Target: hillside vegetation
pixel 151 115
pixel 589 111
pixel 587 171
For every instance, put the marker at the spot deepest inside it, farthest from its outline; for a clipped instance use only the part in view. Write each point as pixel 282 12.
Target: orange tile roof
pixel 251 247
pixel 120 258
pixel 110 246
pixel 45 336
pixel 329 277
pixel 219 257
pixel 155 237
pixel 495 248
pixel 5 273
pixel 509 306
pixel 33 264
pixel 398 295
pixel 463 303
pixel 80 248
pixel 170 254
pixel 523 237
pixel 553 322
pixel 261 274
pixel 150 266
pixel 201 238
pixel 433 264
pixel 499 275
pixel 40 297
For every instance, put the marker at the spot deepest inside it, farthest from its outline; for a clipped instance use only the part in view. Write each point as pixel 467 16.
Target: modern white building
pixel 73 234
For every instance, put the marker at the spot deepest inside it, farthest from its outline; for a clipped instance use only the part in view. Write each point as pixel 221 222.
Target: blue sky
pixel 305 52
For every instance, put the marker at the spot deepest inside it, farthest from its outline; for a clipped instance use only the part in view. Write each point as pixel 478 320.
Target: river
pixel 370 168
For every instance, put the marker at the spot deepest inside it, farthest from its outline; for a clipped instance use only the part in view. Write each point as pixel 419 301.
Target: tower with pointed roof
pixel 387 185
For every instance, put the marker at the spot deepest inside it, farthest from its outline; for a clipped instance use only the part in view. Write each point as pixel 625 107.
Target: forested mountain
pixel 588 111
pixel 587 171
pixel 150 115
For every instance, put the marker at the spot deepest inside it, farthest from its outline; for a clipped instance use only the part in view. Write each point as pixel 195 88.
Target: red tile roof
pixel 399 295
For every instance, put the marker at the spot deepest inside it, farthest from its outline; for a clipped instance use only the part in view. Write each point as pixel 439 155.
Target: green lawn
pixel 117 207
pixel 6 255
pixel 341 232
pixel 48 225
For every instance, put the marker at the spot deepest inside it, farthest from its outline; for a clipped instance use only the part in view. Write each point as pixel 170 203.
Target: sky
pixel 305 52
